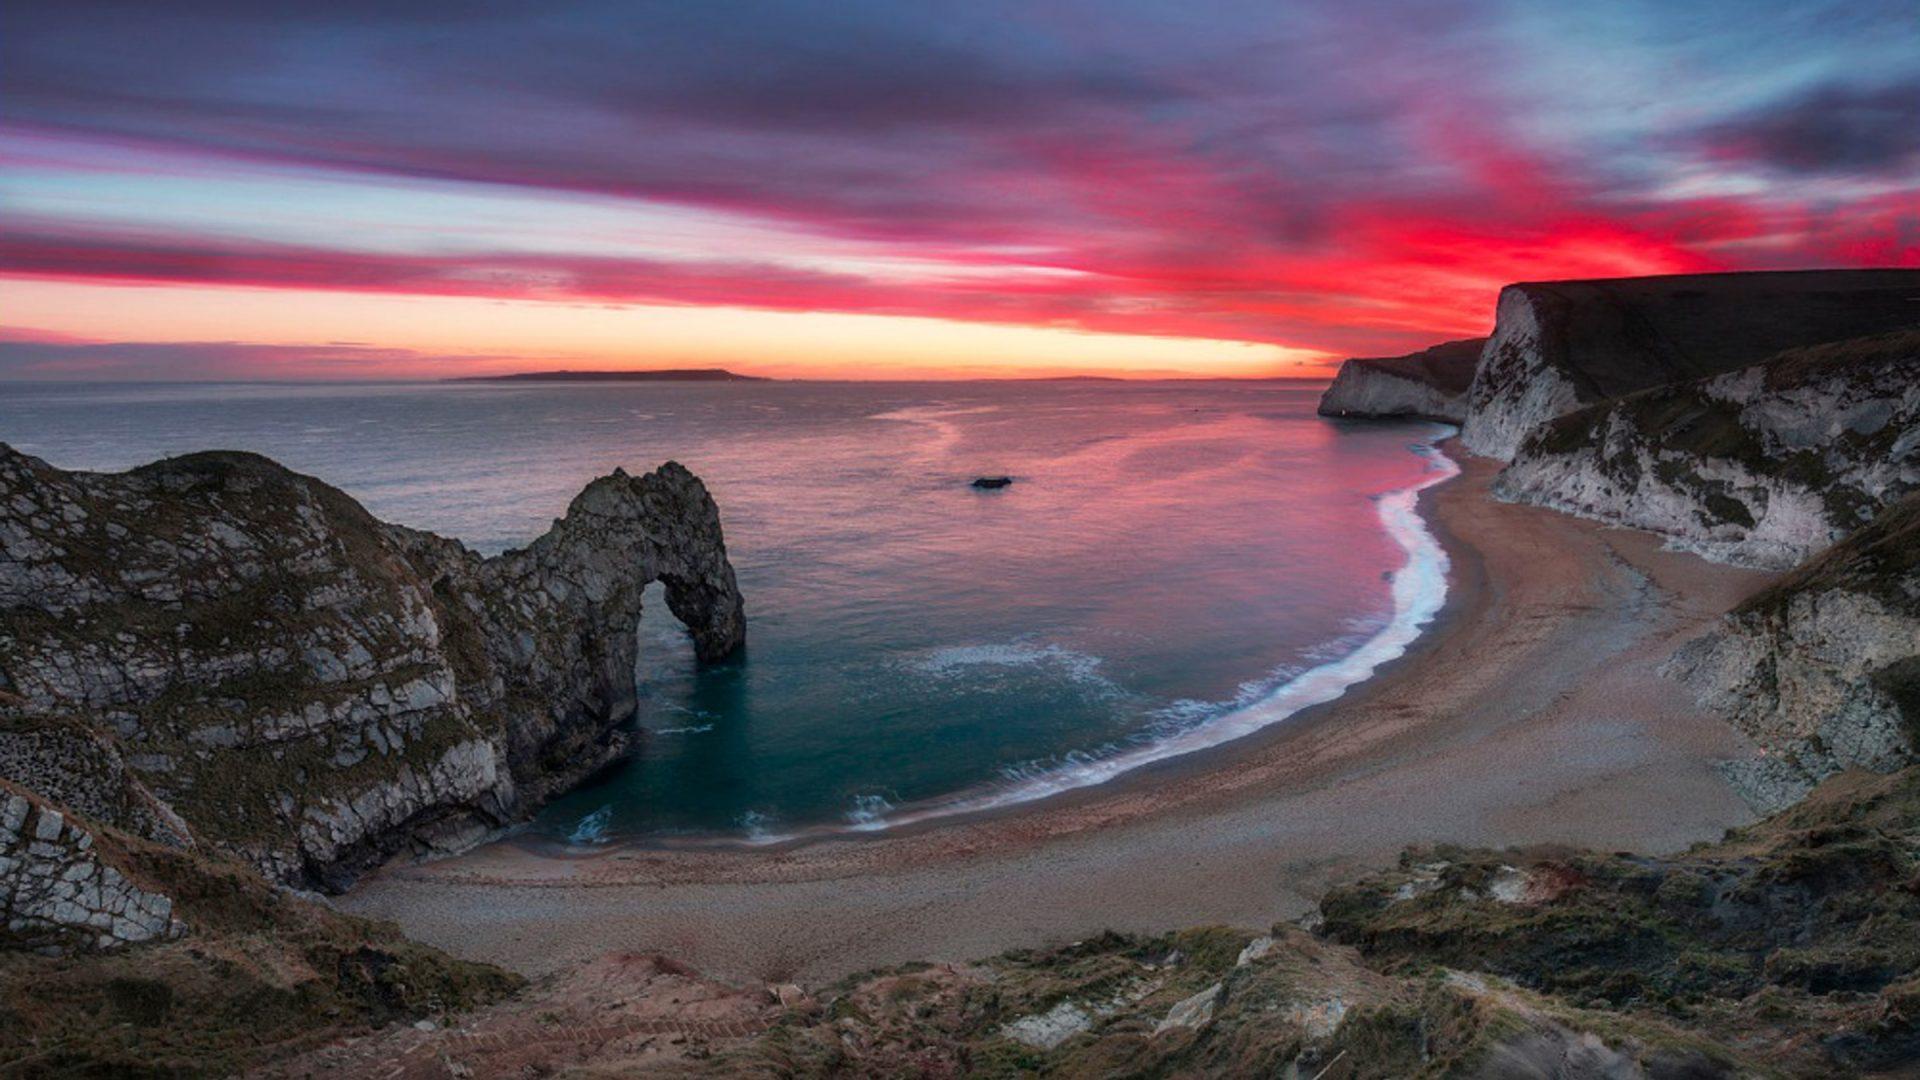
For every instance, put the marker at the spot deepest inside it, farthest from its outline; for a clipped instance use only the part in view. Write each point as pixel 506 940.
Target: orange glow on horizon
pixel 411 336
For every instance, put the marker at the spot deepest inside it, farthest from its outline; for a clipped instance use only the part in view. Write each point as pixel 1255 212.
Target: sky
pixel 206 189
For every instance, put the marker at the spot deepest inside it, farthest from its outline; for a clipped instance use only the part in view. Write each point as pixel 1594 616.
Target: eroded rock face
pixel 1558 346
pixel 1822 670
pixel 1427 385
pixel 1763 466
pixel 260 664
pixel 56 891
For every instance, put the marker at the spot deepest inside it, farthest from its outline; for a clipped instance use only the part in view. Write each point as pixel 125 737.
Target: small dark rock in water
pixel 989 483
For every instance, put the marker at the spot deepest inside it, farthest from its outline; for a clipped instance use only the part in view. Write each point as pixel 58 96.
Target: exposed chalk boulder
pixel 214 645
pixel 1822 669
pixel 58 893
pixel 1428 385
pixel 1762 466
pixel 1558 346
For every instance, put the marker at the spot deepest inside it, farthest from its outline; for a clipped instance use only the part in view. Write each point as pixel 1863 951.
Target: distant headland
pixel 659 375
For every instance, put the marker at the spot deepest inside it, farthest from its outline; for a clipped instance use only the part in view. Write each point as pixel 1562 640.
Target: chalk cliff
pixel 1762 466
pixel 1557 346
pixel 1822 669
pixel 213 649
pixel 1430 385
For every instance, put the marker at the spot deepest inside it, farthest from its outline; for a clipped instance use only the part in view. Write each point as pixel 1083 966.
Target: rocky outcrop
pixel 1762 466
pixel 1822 669
pixel 1427 385
pixel 125 957
pixel 1812 912
pixel 213 648
pixel 1558 346
pixel 57 892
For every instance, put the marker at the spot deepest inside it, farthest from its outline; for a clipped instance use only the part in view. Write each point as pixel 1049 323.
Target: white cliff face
pixel 1427 385
pixel 1561 345
pixel 1518 385
pixel 1760 467
pixel 1822 671
pixel 1371 392
pixel 213 649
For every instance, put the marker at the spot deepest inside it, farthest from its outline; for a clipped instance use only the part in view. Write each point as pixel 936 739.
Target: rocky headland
pixel 214 651
pixel 1557 346
pixel 1428 385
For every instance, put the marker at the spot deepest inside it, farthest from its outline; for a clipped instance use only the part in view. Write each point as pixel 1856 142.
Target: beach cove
pixel 1530 713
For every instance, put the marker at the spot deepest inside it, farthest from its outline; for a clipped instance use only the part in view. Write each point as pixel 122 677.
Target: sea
pixel 1175 565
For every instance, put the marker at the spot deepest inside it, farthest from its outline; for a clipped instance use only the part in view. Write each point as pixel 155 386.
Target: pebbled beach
pixel 1530 713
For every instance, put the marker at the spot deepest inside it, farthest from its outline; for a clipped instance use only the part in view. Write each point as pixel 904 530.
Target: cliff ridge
pixel 1428 385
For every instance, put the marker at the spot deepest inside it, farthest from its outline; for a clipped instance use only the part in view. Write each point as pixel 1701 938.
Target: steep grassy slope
pixel 249 974
pixel 1763 465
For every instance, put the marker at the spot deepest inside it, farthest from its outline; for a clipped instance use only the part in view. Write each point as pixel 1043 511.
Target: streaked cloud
pixel 1350 177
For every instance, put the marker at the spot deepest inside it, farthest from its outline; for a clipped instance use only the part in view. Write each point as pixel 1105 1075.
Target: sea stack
pixel 216 650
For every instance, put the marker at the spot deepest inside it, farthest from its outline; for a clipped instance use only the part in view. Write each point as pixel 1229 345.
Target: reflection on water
pixel 1169 555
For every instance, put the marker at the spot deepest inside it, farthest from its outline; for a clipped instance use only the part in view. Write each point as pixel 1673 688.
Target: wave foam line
pixel 1418 588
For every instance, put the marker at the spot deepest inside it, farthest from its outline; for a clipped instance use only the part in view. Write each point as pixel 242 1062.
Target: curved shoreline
pixel 1419 592
pixel 1528 712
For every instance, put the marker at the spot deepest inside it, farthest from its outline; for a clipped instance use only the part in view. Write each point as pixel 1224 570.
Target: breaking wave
pixel 592 829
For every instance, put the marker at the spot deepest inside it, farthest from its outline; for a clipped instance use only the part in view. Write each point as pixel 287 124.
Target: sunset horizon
pixel 864 192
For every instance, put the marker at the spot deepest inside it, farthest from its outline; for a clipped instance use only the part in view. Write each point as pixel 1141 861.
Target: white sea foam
pixel 759 828
pixel 1418 589
pixel 691 729
pixel 869 812
pixel 592 829
pixel 959 660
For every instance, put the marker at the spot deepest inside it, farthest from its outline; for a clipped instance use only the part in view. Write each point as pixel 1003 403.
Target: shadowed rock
pixel 1822 669
pixel 1557 346
pixel 237 647
pixel 1427 385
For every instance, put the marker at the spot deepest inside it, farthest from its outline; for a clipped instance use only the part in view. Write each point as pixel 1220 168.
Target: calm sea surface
pixel 1175 565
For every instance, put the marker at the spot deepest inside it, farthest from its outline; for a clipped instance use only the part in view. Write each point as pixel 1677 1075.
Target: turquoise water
pixel 1176 564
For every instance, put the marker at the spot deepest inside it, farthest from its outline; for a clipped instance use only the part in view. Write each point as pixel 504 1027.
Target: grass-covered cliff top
pixel 1881 560
pixel 1614 336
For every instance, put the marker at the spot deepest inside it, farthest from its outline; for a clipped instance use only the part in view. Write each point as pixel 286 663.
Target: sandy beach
pixel 1530 713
